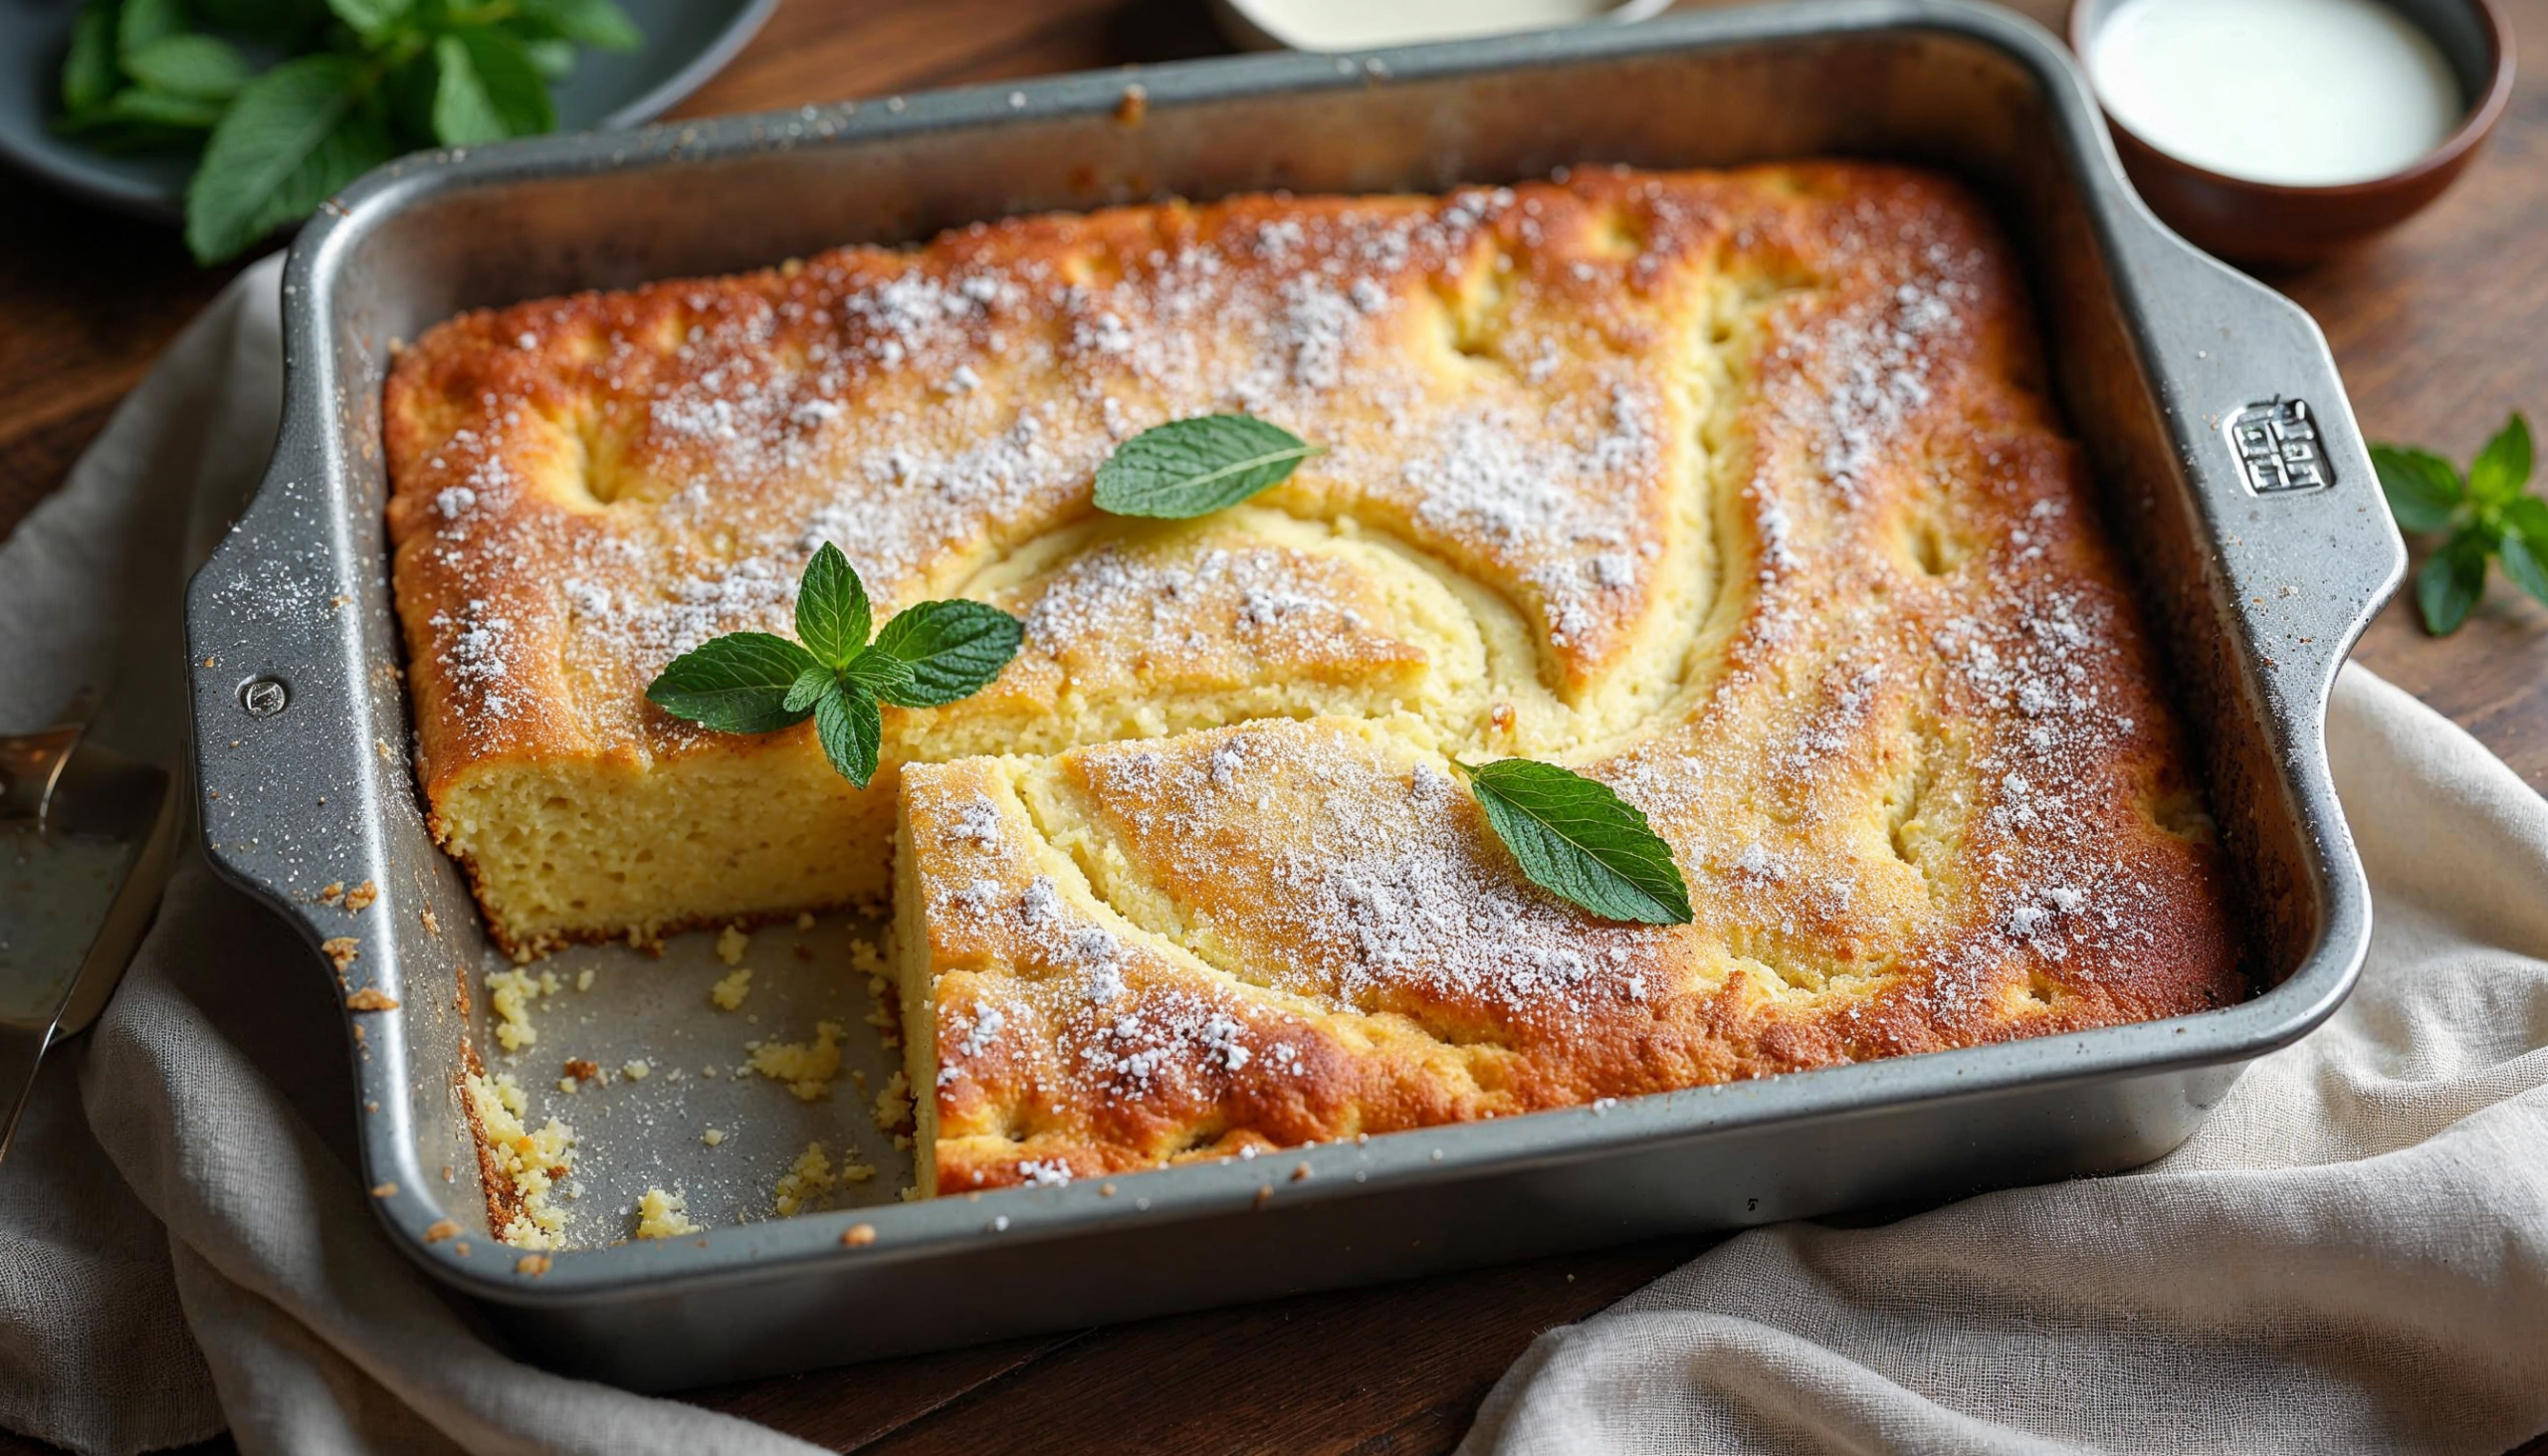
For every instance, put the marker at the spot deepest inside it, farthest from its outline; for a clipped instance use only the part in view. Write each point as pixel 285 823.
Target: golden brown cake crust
pixel 1743 493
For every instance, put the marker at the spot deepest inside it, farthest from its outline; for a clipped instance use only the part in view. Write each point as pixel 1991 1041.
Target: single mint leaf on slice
pixel 89 73
pixel 2501 470
pixel 487 88
pixel 851 729
pixel 1575 837
pixel 736 684
pixel 954 649
pixel 195 68
pixel 294 136
pixel 595 23
pixel 1194 467
pixel 2451 581
pixel 2525 564
pixel 809 688
pixel 141 22
pixel 371 19
pixel 2422 488
pixel 832 615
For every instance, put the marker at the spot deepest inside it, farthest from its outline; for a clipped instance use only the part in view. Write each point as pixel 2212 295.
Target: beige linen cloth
pixel 2351 1256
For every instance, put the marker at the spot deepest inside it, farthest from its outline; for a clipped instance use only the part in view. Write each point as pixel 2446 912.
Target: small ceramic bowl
pixel 1288 24
pixel 2266 223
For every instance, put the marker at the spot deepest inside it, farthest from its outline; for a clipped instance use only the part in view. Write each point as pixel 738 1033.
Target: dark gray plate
pixel 687 41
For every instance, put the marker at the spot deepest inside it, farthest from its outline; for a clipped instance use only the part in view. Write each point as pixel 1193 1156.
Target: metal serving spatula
pixel 86 840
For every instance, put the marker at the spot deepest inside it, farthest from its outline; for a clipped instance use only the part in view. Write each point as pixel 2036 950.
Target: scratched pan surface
pixel 2251 517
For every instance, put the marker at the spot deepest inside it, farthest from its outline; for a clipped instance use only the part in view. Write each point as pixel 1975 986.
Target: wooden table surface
pixel 2437 329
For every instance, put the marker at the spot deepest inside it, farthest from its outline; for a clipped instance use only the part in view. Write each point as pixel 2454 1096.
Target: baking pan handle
pixel 2304 547
pixel 297 752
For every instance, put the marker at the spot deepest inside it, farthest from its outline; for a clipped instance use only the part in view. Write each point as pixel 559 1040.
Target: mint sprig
pixel 1576 838
pixel 359 82
pixel 929 654
pixel 2489 515
pixel 1194 467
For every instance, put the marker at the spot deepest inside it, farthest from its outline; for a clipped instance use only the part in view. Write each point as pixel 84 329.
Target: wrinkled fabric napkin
pixel 2352 1255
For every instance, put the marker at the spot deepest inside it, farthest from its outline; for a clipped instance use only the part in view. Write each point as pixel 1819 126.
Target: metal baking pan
pixel 2230 464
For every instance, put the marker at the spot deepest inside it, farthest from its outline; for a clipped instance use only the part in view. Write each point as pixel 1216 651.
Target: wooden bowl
pixel 2270 223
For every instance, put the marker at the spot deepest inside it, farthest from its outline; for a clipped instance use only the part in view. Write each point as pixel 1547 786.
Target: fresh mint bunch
pixel 2489 513
pixel 350 85
pixel 928 656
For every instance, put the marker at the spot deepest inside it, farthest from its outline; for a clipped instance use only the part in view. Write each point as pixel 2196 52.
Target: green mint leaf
pixel 595 23
pixel 954 649
pixel 832 615
pixel 141 22
pixel 2501 470
pixel 809 688
pixel 1576 838
pixel 89 72
pixel 851 730
pixel 275 20
pixel 2527 518
pixel 2451 581
pixel 291 140
pixel 1194 467
pixel 554 59
pixel 197 68
pixel 888 677
pixel 2422 488
pixel 487 90
pixel 371 19
pixel 2525 564
pixel 738 684
pixel 158 110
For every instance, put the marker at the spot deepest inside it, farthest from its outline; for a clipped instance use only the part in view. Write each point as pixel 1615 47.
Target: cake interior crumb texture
pixel 1738 490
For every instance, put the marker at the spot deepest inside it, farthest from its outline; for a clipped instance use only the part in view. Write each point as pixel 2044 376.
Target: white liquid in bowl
pixel 2301 93
pixel 1349 25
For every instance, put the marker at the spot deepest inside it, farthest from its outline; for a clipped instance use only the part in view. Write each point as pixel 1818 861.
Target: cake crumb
pixel 886 1014
pixel 894 1104
pixel 332 892
pixel 583 1069
pixel 371 999
pixel 441 1229
pixel 713 1137
pixel 731 942
pixel 529 1161
pixel 805 920
pixel 361 896
pixel 341 950
pixel 662 1215
pixel 807 1067
pixel 636 1069
pixel 509 995
pixel 807 1183
pixel 584 979
pixel 532 1265
pixel 858 1235
pixel 731 989
pixel 384 1190
pixel 865 958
